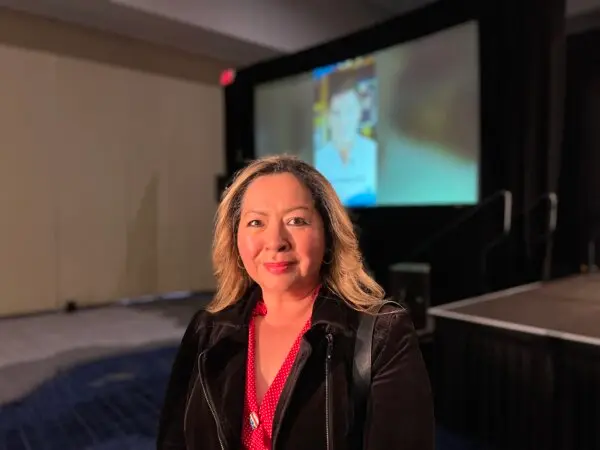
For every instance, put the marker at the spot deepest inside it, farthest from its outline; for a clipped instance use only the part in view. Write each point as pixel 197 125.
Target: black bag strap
pixel 361 373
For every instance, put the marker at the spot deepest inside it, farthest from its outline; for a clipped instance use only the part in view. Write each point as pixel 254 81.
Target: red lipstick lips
pixel 278 267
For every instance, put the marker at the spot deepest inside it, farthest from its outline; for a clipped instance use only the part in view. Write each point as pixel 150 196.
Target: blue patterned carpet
pixel 111 404
pixel 104 405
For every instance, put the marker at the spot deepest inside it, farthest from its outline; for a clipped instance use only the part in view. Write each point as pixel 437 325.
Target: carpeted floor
pixel 110 404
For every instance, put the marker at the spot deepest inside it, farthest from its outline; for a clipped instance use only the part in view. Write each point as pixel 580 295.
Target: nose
pixel 277 238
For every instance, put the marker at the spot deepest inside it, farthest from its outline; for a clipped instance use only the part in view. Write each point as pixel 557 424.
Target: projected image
pixel 399 127
pixel 345 145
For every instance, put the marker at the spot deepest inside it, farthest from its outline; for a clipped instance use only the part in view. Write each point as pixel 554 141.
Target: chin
pixel 282 282
pixel 278 285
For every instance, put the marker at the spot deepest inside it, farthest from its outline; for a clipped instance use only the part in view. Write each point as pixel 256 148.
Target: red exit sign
pixel 227 77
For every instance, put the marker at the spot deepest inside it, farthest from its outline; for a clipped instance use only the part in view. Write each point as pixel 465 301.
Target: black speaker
pixel 410 286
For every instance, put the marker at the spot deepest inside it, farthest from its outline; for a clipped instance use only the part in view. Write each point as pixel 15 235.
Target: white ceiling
pixel 236 31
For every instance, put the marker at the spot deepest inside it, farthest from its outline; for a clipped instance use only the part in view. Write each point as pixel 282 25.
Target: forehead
pixel 280 191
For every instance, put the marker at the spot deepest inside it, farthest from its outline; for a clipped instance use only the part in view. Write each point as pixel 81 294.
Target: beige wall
pixel 108 153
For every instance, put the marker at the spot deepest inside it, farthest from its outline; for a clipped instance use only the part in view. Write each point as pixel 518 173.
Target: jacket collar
pixel 333 313
pixel 329 311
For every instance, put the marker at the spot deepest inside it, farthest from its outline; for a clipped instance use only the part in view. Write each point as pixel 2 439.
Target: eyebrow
pixel 287 211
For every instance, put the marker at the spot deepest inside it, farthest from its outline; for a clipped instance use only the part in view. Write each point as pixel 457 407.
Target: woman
pixel 269 364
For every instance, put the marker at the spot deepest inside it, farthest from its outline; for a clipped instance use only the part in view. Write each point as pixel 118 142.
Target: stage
pixel 520 369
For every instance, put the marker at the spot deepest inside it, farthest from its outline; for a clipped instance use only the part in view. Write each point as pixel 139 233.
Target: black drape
pixel 523 94
pixel 579 219
pixel 503 389
pixel 523 67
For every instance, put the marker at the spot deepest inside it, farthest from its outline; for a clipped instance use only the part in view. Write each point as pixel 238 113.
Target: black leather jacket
pixel 204 403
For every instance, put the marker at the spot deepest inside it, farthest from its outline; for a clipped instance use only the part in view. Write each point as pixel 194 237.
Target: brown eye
pixel 297 221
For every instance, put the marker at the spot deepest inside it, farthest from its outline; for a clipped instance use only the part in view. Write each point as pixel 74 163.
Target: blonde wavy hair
pixel 343 271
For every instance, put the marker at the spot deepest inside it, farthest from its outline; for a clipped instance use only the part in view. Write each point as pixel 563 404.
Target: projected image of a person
pixel 349 159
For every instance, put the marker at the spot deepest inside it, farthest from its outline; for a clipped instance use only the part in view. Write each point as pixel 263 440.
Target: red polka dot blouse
pixel 258 420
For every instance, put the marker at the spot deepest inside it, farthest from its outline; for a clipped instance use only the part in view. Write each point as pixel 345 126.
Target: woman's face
pixel 281 237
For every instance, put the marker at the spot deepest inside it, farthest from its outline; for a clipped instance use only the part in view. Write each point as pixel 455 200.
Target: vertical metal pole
pixel 592 256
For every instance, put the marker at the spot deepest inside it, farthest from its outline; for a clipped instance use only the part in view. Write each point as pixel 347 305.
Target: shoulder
pixel 367 145
pixel 203 330
pixel 196 328
pixel 209 327
pixel 401 410
pixel 206 326
pixel 393 333
pixel 203 321
pixel 200 320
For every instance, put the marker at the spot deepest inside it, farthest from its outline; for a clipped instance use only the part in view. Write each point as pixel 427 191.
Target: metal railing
pixel 504 195
pixel 547 236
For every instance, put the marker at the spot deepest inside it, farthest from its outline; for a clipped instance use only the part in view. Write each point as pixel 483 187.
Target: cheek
pixel 248 246
pixel 313 247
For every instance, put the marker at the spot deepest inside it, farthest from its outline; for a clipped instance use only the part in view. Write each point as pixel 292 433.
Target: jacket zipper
pixel 187 406
pixel 209 401
pixel 287 391
pixel 327 393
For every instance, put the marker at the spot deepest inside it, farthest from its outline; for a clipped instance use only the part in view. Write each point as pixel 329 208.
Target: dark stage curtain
pixel 579 220
pixel 523 53
pixel 523 86
pixel 495 386
pixel 505 390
